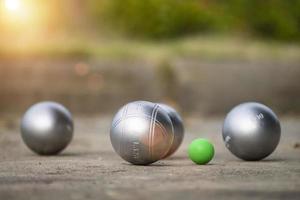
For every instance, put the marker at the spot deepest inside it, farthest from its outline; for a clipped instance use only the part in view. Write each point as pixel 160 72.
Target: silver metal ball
pixel 47 128
pixel 141 132
pixel 251 131
pixel 177 126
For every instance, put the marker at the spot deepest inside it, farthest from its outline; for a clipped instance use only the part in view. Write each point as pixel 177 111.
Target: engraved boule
pixel 251 131
pixel 177 126
pixel 141 132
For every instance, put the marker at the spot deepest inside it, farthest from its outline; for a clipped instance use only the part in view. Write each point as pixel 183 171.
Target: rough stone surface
pixel 89 168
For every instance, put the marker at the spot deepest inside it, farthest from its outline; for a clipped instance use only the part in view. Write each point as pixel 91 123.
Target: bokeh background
pixel 201 56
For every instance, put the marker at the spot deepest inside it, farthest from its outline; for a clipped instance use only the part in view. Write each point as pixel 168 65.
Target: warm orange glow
pixel 15 11
pixel 12 5
pixel 28 22
pixel 18 14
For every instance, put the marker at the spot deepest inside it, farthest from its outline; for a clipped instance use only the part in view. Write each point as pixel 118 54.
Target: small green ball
pixel 201 151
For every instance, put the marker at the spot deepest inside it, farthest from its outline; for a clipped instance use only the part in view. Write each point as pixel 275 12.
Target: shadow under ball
pixel 47 128
pixel 251 131
pixel 141 132
pixel 177 126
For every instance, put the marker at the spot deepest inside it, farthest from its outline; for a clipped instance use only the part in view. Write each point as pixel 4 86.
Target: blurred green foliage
pixel 156 18
pixel 278 19
pixel 275 19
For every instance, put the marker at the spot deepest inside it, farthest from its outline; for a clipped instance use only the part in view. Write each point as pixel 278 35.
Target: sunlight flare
pixel 12 5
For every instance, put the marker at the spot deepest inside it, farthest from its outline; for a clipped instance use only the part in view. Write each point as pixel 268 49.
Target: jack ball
pixel 201 151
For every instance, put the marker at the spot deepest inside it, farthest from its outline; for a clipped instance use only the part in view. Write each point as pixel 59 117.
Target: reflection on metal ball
pixel 251 131
pixel 47 128
pixel 177 126
pixel 141 132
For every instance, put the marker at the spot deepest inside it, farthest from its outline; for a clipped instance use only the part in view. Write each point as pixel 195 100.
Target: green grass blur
pixel 272 19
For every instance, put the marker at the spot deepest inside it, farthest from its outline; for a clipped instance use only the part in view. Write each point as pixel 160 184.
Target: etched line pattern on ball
pixel 123 127
pixel 260 116
pixel 227 139
pixel 143 138
pixel 152 128
pixel 135 150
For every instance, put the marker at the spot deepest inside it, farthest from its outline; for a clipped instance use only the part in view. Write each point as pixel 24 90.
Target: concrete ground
pixel 89 168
